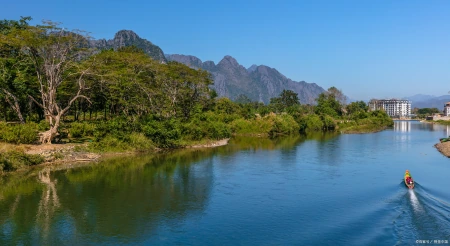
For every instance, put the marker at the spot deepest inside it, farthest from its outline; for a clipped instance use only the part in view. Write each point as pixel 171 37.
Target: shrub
pixel 165 134
pixel 109 143
pixel 19 134
pixel 283 124
pixel 218 130
pixel 81 129
pixel 13 160
pixel 194 131
pixel 138 141
pixel 313 123
pixel 328 122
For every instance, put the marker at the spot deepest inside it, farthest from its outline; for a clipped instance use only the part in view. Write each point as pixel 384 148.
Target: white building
pixel 447 109
pixel 393 107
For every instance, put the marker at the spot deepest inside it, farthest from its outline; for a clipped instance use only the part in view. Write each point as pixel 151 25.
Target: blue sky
pixel 368 49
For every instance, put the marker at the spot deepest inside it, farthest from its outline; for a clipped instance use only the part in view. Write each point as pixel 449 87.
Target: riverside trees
pixel 48 71
pixel 54 68
pixel 54 56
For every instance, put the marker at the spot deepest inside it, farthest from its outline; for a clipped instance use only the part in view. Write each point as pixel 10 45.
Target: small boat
pixel 442 140
pixel 409 182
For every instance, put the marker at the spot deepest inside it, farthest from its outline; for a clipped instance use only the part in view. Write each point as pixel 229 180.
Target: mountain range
pixel 428 101
pixel 130 38
pixel 258 83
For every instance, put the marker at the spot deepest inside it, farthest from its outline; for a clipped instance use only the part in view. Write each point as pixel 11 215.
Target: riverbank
pixel 444 148
pixel 68 153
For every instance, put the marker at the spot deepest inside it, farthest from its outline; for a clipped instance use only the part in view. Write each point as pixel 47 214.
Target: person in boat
pixel 408 180
pixel 408 177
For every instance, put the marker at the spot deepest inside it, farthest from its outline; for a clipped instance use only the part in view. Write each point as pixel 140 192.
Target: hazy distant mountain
pixel 129 38
pixel 434 102
pixel 259 83
pixel 419 98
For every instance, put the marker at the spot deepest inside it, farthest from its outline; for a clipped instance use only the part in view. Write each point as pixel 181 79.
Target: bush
pixel 194 131
pixel 165 134
pixel 81 129
pixel 139 142
pixel 283 124
pixel 313 123
pixel 13 160
pixel 19 133
pixel 109 143
pixel 328 122
pixel 218 130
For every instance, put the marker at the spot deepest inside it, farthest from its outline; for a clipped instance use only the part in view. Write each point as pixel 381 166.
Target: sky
pixel 367 49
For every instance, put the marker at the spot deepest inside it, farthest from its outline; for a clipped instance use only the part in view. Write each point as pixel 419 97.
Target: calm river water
pixel 324 189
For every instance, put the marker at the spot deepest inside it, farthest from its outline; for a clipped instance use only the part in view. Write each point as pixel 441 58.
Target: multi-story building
pixel 447 109
pixel 393 107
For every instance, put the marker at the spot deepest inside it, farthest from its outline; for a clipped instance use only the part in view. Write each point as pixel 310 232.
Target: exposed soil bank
pixel 64 153
pixel 444 148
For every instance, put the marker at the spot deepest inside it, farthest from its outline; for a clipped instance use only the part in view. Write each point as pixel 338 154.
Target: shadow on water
pixel 117 200
pixel 422 215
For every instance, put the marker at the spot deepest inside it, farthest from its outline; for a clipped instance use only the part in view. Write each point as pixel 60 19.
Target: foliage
pixel 131 142
pixel 19 133
pixel 81 129
pixel 13 160
pixel 356 107
pixel 313 123
pixel 165 134
pixel 142 103
pixel 424 112
pixel 328 105
pixel 286 99
pixel 283 124
pixel 257 126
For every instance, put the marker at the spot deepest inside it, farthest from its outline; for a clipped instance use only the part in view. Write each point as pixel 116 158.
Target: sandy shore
pixel 444 148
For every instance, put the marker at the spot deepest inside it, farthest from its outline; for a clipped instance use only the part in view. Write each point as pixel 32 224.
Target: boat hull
pixel 410 186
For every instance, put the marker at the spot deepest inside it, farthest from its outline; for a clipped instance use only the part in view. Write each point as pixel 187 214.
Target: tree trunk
pixel 48 136
pixel 15 106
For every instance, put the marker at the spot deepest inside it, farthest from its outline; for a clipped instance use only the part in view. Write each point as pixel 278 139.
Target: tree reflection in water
pixel 119 200
pixel 48 203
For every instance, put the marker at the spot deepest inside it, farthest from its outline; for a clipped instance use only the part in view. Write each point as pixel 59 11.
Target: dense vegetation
pixel 53 89
pixel 422 113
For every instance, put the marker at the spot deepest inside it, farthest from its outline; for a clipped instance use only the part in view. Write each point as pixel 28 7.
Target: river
pixel 322 189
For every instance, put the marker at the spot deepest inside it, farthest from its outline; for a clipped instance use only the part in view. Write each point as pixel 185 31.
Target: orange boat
pixel 409 182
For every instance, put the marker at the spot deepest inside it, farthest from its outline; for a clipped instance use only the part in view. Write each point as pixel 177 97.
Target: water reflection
pixel 402 126
pixel 282 191
pixel 119 199
pixel 48 203
pixel 447 131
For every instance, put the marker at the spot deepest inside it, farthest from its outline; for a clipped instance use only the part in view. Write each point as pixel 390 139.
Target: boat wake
pixel 417 207
pixel 422 215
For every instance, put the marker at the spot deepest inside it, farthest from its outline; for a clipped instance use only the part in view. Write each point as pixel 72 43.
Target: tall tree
pixel 328 103
pixel 338 95
pixel 286 99
pixel 55 55
pixel 15 72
